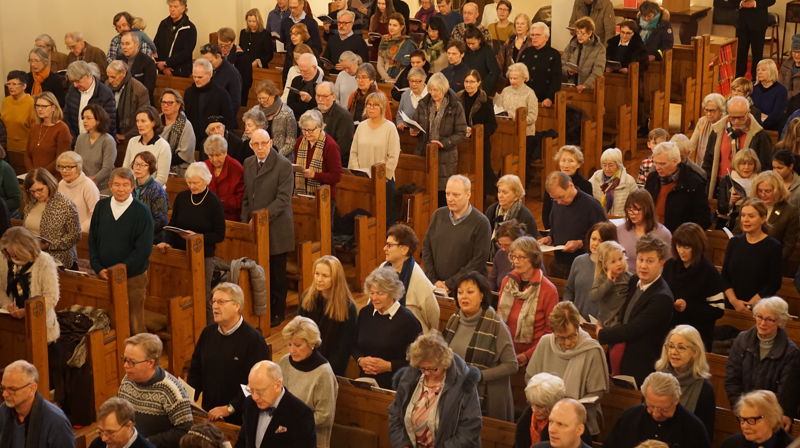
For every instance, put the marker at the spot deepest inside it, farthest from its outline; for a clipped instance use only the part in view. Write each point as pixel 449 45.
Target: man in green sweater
pixel 458 238
pixel 121 231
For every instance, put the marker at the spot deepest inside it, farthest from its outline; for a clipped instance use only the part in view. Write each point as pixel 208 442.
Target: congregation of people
pixel 611 284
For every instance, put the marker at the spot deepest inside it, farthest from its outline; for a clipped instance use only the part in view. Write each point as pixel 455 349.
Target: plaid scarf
pixel 301 184
pixel 174 136
pixel 608 187
pixel 482 347
pixel 527 314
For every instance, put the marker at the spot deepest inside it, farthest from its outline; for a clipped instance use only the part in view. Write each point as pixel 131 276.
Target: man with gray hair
pixel 660 417
pixel 116 420
pixel 80 50
pixel 678 191
pixel 163 410
pixel 470 13
pixel 736 131
pixel 224 354
pixel 302 89
pixel 458 238
pixel 141 66
pixel 85 90
pixel 338 121
pixel 204 99
pixel 225 75
pixel 272 415
pixel 129 95
pixel 544 64
pixel 27 418
pixel 572 215
pixel 344 40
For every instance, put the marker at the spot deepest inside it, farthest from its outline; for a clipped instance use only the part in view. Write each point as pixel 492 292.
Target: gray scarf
pixel 273 108
pixel 435 118
pixel 691 386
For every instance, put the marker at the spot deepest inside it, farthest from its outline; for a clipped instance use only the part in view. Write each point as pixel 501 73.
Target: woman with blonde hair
pixel 684 357
pixel 611 184
pixel 610 287
pixel 519 94
pixel 77 186
pixel 329 303
pixel 769 95
pixel 761 418
pixel 783 217
pixel 516 44
pixel 510 205
pixel 254 40
pixel 736 186
pixel 49 136
pixel 51 216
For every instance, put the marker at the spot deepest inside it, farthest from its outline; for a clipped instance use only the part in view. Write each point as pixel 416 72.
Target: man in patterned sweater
pixel 163 411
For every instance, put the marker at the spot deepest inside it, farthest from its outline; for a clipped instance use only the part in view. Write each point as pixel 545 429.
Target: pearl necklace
pixel 191 198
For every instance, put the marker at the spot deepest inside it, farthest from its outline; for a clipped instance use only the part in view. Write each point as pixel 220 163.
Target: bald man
pixel 566 424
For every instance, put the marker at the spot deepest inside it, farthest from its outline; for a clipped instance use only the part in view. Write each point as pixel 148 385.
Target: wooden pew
pixel 592 103
pixel 175 185
pixel 744 321
pixel 509 151
pixel 614 402
pixel 622 107
pixel 249 240
pixel 658 89
pixel 263 74
pixel 27 339
pixel 716 364
pixel 689 75
pixel 554 118
pixel 424 173
pixel 470 164
pixel 447 307
pixel 105 350
pixel 171 82
pixel 312 234
pixel 354 192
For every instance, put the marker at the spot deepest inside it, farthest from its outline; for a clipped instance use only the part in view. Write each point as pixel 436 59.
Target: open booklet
pixel 625 382
pixel 197 409
pixel 546 248
pixel 409 121
pixel 178 230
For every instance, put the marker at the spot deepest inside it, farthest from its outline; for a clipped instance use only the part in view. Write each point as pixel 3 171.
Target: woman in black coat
pixel 480 57
pixel 446 129
pixel 41 78
pixel 626 47
pixel 175 41
pixel 478 109
pixel 695 283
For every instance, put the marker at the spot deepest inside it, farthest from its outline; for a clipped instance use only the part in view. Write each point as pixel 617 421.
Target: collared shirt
pixel 457 221
pixel 85 97
pixel 118 208
pixel 625 44
pixel 235 327
pixel 132 439
pixel 346 35
pixel 264 420
pixel 415 98
pixel 644 287
pixel 389 312
pixel 298 20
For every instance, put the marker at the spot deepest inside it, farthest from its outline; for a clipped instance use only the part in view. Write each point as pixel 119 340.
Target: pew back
pixel 312 233
pixel 27 339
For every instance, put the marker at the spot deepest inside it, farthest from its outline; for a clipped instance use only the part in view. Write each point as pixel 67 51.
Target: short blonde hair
pixel 149 343
pixel 604 252
pixel 233 291
pixel 530 247
pixel 585 23
pixel 375 97
pixel 385 280
pixel 303 328
pixel 766 403
pixel 520 68
pixel 743 84
pixel 772 69
pixel 438 81
pixel 572 149
pixel 513 182
pixel 774 179
pixel 431 347
pixel 564 314
pixel 699 365
pixel 746 155
pixel 57 114
pixel 22 242
pixel 545 390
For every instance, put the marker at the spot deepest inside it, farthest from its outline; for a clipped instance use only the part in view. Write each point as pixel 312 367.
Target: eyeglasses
pixel 260 144
pixel 308 131
pixel 633 210
pixel 517 257
pixel 737 117
pixel 567 338
pixel 132 363
pixel 373 105
pixel 220 301
pixel 388 244
pixel 710 111
pixel 362 77
pixel 428 369
pixel 13 390
pixel 769 320
pixel 626 33
pixel 582 34
pixel 42 106
pixel 168 103
pixel 66 167
pixel 653 409
pixel 749 420
pixel 37 190
pixel 141 165
pixel 340 23
pixel 680 348
pixel 110 433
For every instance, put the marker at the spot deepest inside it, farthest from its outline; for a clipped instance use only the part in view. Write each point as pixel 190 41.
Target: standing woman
pixel 409 100
pixel 478 335
pixel 17 111
pixel 177 129
pixel 769 96
pixel 329 303
pixel 714 107
pixel 584 59
pixel 611 184
pixel 784 163
pixel 751 27
pixel 379 23
pixel 76 186
pixel 317 154
pixel 684 357
pixel 695 283
pixel 783 218
pixel 526 298
pixel 752 266
pixel 569 160
pixel 227 176
pixel 510 205
pixel 49 136
pixel 281 125
pixel 96 146
pixel 376 141
pixel 149 126
pixel 255 42
pixel 175 41
pixel 42 77
pixel 582 272
pixel 434 44
pixel 395 49
pixel 366 83
pixel 503 29
pixel 151 193
pixel 517 95
pixel 481 57
pixel 51 216
pixel 198 210
pixel 478 109
pixel 516 44
pixel 443 121
pixel 640 220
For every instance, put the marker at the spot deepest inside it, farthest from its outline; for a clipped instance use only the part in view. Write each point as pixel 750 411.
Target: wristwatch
pixel 230 409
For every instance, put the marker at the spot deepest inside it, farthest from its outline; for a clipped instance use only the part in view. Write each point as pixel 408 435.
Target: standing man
pixel 121 231
pixel 678 191
pixel 224 355
pixel 470 14
pixel 163 411
pixel 544 64
pixel 80 50
pixel 175 41
pixel 141 66
pixel 573 214
pixel 24 408
pixel 122 23
pixel 338 121
pixel 297 14
pixel 269 184
pixel 345 40
pixel 458 238
pixel 451 18
pixel 272 415
pixel 303 87
pixel 116 421
pixel 205 98
pixel 85 90
pixel 225 75
pixel 129 95
pixel 601 11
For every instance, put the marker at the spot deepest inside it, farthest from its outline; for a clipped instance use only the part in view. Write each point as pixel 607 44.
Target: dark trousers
pixel 391 203
pixel 278 285
pixel 753 41
pixel 56 364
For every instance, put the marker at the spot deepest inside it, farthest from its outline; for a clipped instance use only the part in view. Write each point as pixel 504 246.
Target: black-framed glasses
pixel 110 433
pixel 132 363
pixel 749 420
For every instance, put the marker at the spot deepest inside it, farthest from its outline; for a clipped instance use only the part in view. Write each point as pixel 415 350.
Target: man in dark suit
pixel 645 317
pixel 116 426
pixel 268 184
pixel 141 66
pixel 273 417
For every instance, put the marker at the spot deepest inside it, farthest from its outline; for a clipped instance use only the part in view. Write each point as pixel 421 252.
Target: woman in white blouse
pixel 149 126
pixel 410 98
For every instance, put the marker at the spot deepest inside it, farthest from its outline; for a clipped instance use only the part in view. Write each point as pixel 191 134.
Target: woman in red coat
pixel 227 176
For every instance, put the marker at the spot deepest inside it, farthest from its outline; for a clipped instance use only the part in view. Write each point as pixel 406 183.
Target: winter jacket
pixel 592 61
pixel 452 131
pixel 258 282
pixel 686 202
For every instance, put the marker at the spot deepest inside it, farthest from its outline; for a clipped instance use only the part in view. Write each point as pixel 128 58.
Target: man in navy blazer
pixel 645 317
pixel 273 417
